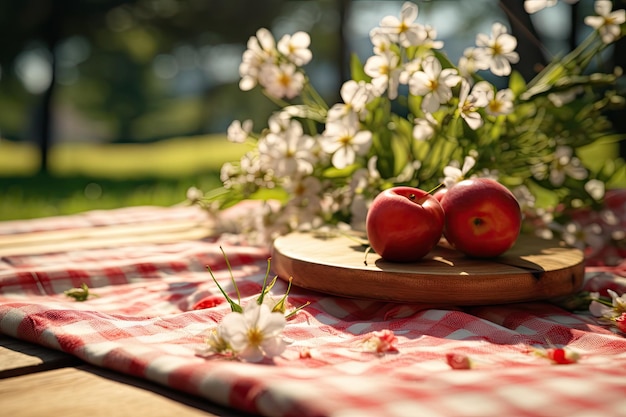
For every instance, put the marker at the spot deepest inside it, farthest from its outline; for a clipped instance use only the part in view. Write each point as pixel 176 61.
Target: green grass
pixel 104 176
pixel 168 158
pixel 88 177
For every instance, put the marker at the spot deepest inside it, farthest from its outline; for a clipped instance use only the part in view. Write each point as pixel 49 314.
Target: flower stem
pixel 232 278
pixel 233 305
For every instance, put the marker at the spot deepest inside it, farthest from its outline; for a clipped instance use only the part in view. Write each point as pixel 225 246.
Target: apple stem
pixel 367 251
pixel 421 200
pixel 431 192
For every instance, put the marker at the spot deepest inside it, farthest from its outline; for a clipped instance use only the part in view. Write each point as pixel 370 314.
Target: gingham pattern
pixel 144 322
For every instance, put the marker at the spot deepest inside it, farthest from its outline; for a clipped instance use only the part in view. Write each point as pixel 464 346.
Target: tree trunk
pixel 344 53
pixel 529 47
pixel 46 124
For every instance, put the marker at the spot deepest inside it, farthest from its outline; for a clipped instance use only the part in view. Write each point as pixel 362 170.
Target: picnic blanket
pixel 154 301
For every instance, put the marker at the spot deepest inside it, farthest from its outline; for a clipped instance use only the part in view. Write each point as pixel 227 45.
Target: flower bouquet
pixel 411 116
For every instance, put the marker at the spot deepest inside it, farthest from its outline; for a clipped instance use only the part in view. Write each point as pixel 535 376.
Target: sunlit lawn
pixel 86 177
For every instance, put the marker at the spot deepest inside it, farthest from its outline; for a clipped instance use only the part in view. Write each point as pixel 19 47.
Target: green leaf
pixel 386 163
pixel 443 59
pixel 333 172
pixel 79 294
pixel 414 104
pixel 270 194
pixel 403 126
pixel 497 128
pixel 468 134
pixel 517 84
pixel 357 70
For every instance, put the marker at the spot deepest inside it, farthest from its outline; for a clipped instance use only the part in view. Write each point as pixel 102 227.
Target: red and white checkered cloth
pixel 145 322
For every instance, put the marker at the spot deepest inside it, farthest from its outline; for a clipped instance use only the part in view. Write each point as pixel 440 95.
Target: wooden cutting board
pixel 534 269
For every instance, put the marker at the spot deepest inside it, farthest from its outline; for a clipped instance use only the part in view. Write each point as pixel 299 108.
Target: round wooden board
pixel 534 269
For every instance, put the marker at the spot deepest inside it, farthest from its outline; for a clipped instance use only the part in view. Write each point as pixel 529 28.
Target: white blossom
pixel 469 103
pixel 433 83
pixel 579 236
pixel 250 167
pixel 296 48
pixel 617 308
pixel 408 172
pixel 430 39
pixel 408 69
pixel 424 128
pixel 380 41
pixel 473 59
pixel 565 165
pixel 366 176
pixel 404 30
pixel 254 334
pixel 533 6
pixel 304 191
pixel 288 153
pixel 261 50
pixel 355 96
pixel 498 103
pixel 238 132
pixel 502 103
pixel 279 121
pixel 499 49
pixel 524 196
pixel 344 140
pixel 303 217
pixel 282 80
pixel 214 343
pixel 385 73
pixel 358 212
pixel 453 174
pixel 595 188
pixel 227 172
pixel 194 194
pixel 607 23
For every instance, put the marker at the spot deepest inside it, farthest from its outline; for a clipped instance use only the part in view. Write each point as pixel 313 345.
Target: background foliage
pixel 78 74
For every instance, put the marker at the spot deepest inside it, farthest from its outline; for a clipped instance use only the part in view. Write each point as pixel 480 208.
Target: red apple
pixel 483 218
pixel 404 224
pixel 440 193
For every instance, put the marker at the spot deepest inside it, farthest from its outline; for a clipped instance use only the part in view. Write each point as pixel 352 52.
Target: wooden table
pixel 35 381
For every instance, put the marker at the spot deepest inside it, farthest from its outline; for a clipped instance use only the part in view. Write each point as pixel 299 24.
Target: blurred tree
pixel 45 22
pixel 117 82
pixel 124 33
pixel 530 47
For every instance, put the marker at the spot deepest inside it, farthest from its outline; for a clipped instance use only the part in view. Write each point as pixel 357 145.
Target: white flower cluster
pixel 612 312
pixel 324 164
pixel 607 22
pixel 250 335
pixel 252 332
pixel 274 66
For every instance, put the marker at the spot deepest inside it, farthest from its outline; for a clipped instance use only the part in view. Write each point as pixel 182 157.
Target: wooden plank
pixel 105 231
pixel 20 358
pixel 104 236
pixel 95 392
